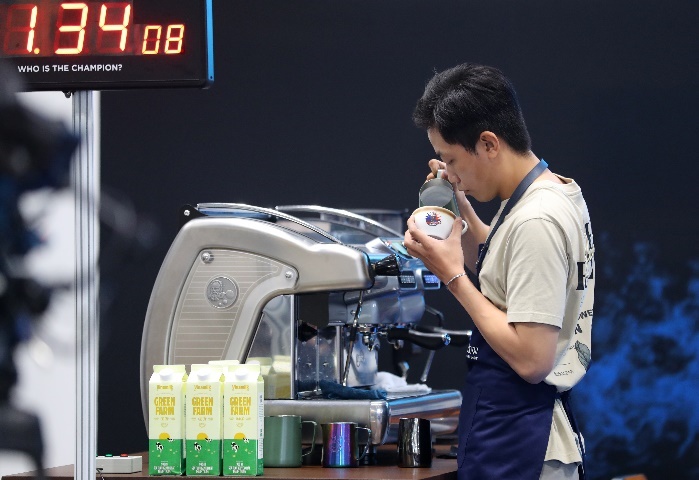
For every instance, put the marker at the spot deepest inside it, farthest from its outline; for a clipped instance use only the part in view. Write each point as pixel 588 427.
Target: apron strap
pixel 516 195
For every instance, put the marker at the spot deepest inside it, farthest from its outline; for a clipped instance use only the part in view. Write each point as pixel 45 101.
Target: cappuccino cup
pixel 436 221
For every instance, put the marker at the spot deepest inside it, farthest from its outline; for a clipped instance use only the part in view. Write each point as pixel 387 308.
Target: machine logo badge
pixel 222 292
pixel 433 219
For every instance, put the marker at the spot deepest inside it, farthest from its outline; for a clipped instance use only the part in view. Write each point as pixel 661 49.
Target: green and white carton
pixel 243 420
pixel 166 420
pixel 204 419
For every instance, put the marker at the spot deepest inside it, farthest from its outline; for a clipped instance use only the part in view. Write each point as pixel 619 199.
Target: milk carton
pixel 204 419
pixel 166 420
pixel 243 420
pixel 267 375
pixel 224 363
pixel 261 389
pixel 280 375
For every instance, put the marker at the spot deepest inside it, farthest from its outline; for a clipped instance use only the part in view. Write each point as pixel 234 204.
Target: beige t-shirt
pixel 540 268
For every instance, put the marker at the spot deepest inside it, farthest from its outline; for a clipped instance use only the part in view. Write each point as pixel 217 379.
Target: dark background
pixel 311 104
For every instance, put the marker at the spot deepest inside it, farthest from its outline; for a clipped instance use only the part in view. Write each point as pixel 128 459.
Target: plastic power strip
pixel 121 464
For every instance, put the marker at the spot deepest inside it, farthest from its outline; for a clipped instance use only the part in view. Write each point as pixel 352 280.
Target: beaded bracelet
pixel 454 278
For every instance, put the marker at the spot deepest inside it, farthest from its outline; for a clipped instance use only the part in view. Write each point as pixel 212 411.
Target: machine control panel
pixel 430 281
pixel 406 279
pixel 411 267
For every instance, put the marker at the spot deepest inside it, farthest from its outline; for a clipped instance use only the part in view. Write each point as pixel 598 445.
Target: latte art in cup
pixel 436 221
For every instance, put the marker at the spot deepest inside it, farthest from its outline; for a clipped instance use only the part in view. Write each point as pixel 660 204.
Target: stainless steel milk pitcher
pixel 438 192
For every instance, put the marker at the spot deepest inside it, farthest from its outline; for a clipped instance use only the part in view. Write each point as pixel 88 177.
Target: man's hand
pixel 444 258
pixel 435 165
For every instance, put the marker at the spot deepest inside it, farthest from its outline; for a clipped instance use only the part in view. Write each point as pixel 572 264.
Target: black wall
pixel 311 105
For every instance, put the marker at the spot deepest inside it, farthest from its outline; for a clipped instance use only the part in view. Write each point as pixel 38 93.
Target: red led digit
pixel 20 24
pixel 175 35
pixel 109 32
pixel 69 12
pixel 151 39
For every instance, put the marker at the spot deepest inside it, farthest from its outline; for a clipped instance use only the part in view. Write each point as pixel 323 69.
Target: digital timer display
pixel 73 45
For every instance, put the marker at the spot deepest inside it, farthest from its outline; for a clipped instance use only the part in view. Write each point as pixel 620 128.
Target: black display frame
pixel 194 68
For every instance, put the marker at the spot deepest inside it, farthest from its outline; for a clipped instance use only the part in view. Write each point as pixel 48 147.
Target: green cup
pixel 282 442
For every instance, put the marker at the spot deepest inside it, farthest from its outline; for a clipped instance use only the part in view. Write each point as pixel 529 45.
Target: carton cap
pixel 169 371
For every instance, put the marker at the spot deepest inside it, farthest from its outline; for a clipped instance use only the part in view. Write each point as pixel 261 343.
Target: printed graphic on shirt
pixel 586 268
pixel 583 354
pixel 586 272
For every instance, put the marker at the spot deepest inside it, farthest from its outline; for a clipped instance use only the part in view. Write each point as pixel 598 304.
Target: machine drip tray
pixel 441 407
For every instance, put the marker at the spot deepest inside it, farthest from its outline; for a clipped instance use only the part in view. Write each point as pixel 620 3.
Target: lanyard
pixel 516 195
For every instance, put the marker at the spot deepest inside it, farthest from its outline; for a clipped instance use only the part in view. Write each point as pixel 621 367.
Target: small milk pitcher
pixel 341 445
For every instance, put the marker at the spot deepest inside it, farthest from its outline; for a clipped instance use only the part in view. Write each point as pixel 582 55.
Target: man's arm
pixel 528 347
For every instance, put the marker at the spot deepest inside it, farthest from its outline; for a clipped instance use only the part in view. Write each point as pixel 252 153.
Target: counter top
pixel 442 469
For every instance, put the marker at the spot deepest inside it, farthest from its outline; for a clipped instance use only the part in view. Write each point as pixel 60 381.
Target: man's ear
pixel 490 143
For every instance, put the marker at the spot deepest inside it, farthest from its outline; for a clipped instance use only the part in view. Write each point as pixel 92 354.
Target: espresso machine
pixel 309 292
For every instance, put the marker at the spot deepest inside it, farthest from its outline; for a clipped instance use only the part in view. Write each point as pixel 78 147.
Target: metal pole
pixel 86 187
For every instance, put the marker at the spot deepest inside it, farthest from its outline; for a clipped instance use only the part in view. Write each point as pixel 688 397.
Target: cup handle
pixel 465 229
pixel 368 442
pixel 313 439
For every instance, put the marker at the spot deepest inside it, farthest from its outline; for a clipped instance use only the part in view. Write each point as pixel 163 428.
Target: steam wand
pixel 386 266
pixel 353 336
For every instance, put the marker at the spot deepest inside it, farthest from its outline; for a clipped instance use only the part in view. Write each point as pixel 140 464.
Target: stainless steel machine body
pixel 307 291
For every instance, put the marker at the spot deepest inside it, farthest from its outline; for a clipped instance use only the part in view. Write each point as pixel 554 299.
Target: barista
pixel 532 290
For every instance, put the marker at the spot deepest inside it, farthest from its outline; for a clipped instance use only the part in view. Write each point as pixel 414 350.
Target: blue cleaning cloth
pixel 336 391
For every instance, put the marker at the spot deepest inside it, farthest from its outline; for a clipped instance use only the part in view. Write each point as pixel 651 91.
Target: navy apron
pixel 505 422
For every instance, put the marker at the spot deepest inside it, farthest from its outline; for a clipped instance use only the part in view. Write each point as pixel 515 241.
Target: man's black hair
pixel 463 101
